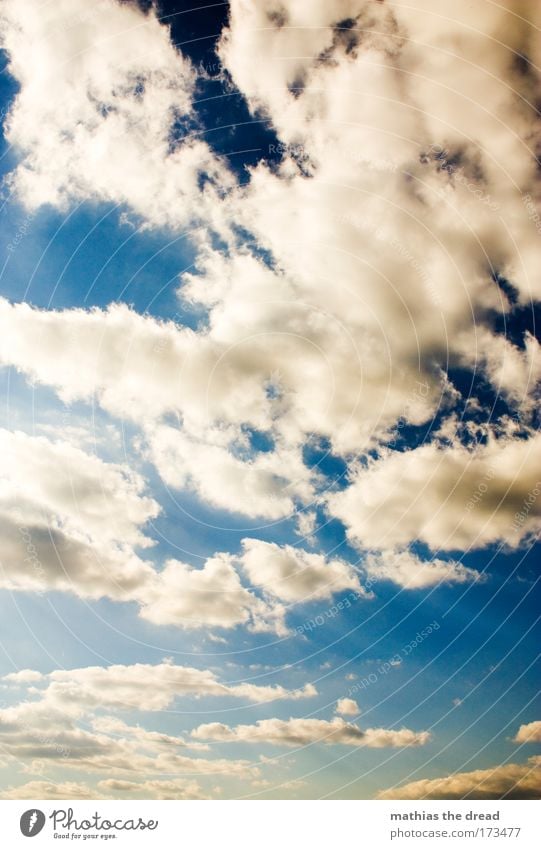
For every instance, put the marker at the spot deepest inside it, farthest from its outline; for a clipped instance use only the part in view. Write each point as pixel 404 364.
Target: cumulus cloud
pixel 110 788
pixel 509 781
pixel 141 686
pixel 77 486
pixel 256 486
pixel 408 570
pixel 303 732
pixel 65 722
pixel 97 121
pixel 70 521
pixel 283 345
pixel 294 575
pixel 211 596
pixel 359 262
pixel 475 497
pixel 51 790
pixel 529 733
pixel 174 789
pixel 215 594
pixel 299 348
pixel 422 77
pixel 347 707
pixel 142 369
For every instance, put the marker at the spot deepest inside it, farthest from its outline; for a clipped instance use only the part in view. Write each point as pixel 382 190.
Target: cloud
pixel 110 788
pixel 72 790
pixel 141 686
pixel 297 350
pixel 79 487
pixel 23 676
pixel 215 595
pixel 211 596
pixel 98 120
pixel 65 722
pixel 254 486
pixel 69 521
pixel 303 732
pixel 529 733
pixel 347 707
pixel 422 78
pixel 408 570
pixel 476 495
pixel 315 324
pixel 294 575
pixel 74 522
pixel 509 781
pixel 174 789
pixel 130 364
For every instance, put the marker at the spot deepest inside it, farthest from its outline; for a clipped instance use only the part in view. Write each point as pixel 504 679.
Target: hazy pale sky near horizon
pixel 270 462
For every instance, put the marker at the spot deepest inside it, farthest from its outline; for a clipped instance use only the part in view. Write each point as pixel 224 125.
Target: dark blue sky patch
pixel 317 455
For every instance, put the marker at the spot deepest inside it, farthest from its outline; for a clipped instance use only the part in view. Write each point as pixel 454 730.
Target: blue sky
pixel 270 385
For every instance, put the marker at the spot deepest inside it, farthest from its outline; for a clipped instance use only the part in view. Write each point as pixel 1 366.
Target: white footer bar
pixel 270 824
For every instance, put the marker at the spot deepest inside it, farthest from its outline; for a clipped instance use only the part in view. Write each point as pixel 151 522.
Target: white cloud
pixel 97 120
pixel 475 496
pixel 214 595
pixel 347 707
pixel 51 790
pixel 70 521
pixel 62 724
pixel 420 75
pixel 142 686
pixel 352 329
pixel 255 486
pixel 408 570
pixel 509 781
pixel 303 732
pixel 211 596
pixel 178 788
pixel 319 320
pixel 514 372
pixel 23 676
pixel 76 486
pixel 74 522
pixel 140 368
pixel 294 575
pixel 529 733
pixel 109 788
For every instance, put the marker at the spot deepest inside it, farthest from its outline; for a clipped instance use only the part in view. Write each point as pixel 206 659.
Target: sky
pixel 270 475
